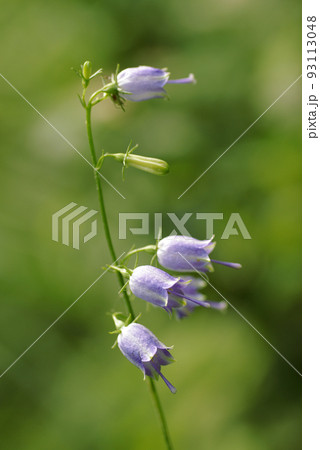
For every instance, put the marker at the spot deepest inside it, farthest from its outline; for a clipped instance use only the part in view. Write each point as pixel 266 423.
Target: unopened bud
pixel 119 320
pixel 152 165
pixel 87 70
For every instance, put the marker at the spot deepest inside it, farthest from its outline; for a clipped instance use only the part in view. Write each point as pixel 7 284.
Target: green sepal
pixel 123 287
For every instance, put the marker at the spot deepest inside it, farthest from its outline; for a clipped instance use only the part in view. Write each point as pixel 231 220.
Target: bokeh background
pixel 70 390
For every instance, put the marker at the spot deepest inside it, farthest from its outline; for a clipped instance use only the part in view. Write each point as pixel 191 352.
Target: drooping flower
pixel 144 83
pixel 187 254
pixel 143 349
pixel 192 290
pixel 161 289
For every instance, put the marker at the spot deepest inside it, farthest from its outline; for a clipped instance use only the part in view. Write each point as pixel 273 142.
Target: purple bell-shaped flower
pixel 161 289
pixel 143 349
pixel 145 83
pixel 187 254
pixel 192 290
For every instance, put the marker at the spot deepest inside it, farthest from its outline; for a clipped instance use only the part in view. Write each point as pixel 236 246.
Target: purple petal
pixel 185 254
pixel 150 284
pixel 186 310
pixel 164 357
pixel 142 71
pixel 144 93
pixel 137 343
pixel 143 83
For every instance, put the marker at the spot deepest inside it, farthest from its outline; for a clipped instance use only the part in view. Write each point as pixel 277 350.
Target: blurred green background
pixel 70 390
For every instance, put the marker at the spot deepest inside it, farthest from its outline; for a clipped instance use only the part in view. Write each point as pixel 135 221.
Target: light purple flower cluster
pixel 180 254
pixel 178 294
pixel 170 293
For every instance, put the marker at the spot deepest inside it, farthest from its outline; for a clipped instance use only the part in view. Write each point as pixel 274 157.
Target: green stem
pixel 154 392
pixel 102 208
pixel 164 425
pixel 147 248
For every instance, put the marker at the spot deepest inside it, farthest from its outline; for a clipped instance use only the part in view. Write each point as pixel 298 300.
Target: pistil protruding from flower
pixel 187 80
pixel 228 264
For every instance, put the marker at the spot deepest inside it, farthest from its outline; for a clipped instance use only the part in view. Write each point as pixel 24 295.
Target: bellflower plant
pixel 187 254
pixel 172 293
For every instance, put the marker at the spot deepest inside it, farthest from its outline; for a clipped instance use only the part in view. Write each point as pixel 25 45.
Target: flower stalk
pixel 86 76
pixel 163 421
pixel 102 208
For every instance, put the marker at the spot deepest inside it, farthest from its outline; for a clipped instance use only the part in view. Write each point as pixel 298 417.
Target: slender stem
pixel 120 276
pixel 102 208
pixel 147 248
pixel 164 425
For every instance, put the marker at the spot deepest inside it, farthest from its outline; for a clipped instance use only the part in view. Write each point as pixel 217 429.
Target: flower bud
pixel 119 320
pixel 87 70
pixel 152 165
